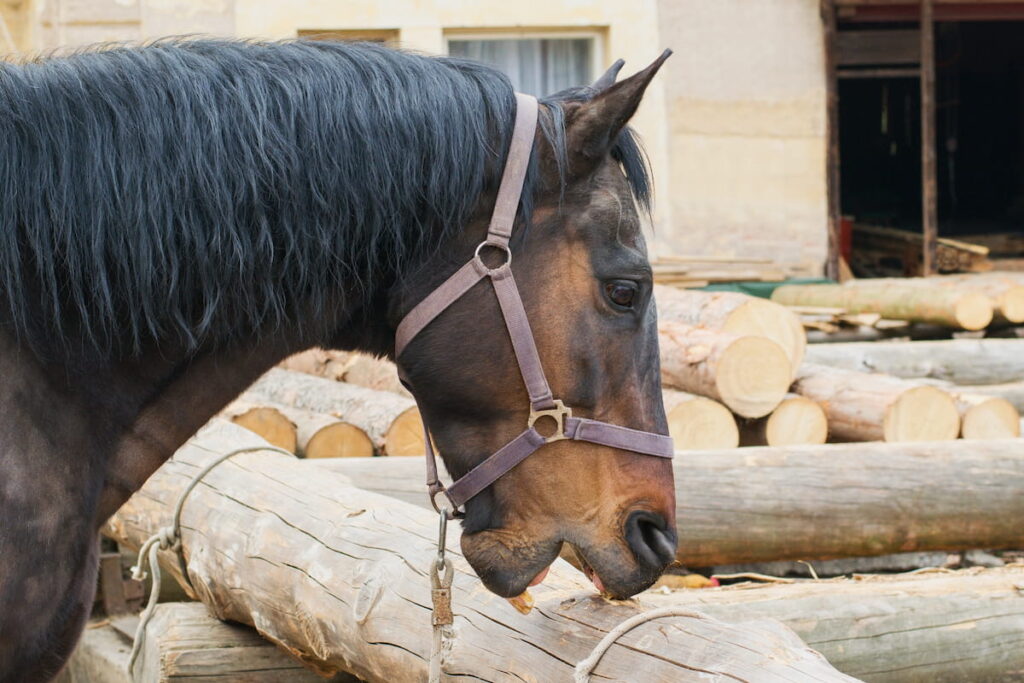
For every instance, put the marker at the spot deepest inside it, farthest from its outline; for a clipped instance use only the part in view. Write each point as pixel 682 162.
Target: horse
pixel 176 218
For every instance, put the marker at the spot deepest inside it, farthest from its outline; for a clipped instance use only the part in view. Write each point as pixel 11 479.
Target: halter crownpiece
pixel 542 402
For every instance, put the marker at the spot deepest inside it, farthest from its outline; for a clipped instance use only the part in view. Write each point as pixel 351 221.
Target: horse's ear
pixel 592 126
pixel 609 76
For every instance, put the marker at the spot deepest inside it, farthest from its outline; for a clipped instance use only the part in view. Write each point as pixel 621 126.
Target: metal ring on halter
pixel 497 245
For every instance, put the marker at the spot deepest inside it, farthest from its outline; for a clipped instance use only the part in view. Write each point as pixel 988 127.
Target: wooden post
pixel 828 19
pixel 929 186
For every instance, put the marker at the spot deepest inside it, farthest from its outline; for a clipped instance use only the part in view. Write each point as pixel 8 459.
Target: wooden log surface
pixel 267 421
pixel 871 407
pixel 960 361
pixel 313 435
pixel 1006 290
pixel 813 502
pixel 338 576
pixel 798 420
pixel 967 310
pixel 695 422
pixel 346 366
pixel 986 417
pixel 1013 392
pixel 393 422
pixel 750 375
pixel 735 313
pixel 941 627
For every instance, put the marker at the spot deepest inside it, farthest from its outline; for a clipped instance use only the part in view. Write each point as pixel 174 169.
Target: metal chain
pixel 441 573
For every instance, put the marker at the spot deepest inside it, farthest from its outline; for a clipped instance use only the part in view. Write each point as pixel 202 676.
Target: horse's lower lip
pixel 540 577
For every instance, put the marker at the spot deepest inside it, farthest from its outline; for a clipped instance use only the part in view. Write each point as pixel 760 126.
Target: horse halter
pixel 542 402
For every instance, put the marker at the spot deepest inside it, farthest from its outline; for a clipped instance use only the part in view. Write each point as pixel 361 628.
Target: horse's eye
pixel 621 293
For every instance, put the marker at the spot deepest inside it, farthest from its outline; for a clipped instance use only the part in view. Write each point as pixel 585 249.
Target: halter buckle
pixel 559 413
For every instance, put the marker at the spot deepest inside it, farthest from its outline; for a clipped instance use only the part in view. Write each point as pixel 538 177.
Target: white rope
pixel 169 538
pixel 583 670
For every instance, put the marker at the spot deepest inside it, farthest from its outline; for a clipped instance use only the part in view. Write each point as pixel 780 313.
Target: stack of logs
pixel 733 374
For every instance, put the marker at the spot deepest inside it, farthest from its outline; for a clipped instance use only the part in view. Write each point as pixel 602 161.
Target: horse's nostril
pixel 650 539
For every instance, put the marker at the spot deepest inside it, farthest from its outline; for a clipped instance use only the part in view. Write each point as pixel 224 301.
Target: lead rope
pixel 169 538
pixel 441 617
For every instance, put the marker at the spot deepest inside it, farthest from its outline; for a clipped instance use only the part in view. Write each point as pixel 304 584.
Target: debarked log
pixel 813 502
pixel 338 576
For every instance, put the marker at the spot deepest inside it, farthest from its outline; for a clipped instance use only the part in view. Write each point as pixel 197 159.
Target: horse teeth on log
pixel 338 577
pixel 960 361
pixel 939 627
pixel 870 407
pixel 750 375
pixel 735 313
pixel 798 420
pixel 696 423
pixel 968 310
pixel 391 421
pixel 812 502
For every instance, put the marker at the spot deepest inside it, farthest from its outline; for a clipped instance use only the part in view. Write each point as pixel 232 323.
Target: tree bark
pixel 695 422
pixel 734 313
pixel 960 361
pixel 950 307
pixel 870 407
pixel 391 421
pixel 337 576
pixel 813 502
pixel 750 375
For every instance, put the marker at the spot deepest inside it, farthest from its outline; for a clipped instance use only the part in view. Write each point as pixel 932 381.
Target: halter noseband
pixel 542 403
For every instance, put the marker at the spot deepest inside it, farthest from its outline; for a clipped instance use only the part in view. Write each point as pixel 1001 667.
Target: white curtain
pixel 537 66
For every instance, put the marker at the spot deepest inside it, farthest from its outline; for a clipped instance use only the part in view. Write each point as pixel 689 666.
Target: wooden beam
pixel 870 48
pixel 929 182
pixel 893 72
pixel 828 20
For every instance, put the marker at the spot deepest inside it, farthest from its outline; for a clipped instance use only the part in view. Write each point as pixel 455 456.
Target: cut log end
pixel 339 440
pixel 922 414
pixel 991 418
pixel 1011 304
pixel 699 423
pixel 271 425
pixel 797 420
pixel 753 375
pixel 974 311
pixel 763 318
pixel 405 436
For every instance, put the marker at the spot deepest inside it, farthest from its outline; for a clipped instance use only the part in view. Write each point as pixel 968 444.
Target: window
pixel 536 65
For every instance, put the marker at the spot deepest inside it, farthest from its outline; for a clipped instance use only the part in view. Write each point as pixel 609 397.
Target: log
pixel 940 627
pixel 391 421
pixel 960 361
pixel 345 366
pixel 337 576
pixel 695 422
pixel 950 307
pixel 813 502
pixel 750 375
pixel 798 420
pixel 986 417
pixel 871 407
pixel 1013 392
pixel 314 435
pixel 734 313
pixel 265 420
pixel 1006 290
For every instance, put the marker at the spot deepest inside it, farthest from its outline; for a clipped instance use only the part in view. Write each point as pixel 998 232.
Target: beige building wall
pixel 745 96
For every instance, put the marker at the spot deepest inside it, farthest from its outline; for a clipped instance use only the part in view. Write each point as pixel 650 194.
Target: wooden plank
pixel 828 20
pixel 873 47
pixel 101 656
pixel 338 576
pixel 929 181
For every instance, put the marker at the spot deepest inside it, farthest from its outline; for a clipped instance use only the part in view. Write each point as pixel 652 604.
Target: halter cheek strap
pixel 542 402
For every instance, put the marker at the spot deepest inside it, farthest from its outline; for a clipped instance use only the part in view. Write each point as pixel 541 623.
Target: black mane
pixel 199 191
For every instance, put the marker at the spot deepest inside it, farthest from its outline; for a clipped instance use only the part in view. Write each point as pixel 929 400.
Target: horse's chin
pixel 508 567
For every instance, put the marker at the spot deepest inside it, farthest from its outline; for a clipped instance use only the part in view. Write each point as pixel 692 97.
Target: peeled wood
pixel 391 421
pixel 750 375
pixel 1004 289
pixel 338 576
pixel 812 502
pixel 1013 392
pixel 695 422
pixel 967 310
pixel 798 420
pixel 267 421
pixel 960 361
pixel 942 627
pixel 871 407
pixel 734 313
pixel 987 417
pixel 345 366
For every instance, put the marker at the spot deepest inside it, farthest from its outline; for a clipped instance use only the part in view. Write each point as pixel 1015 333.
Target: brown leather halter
pixel 542 402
